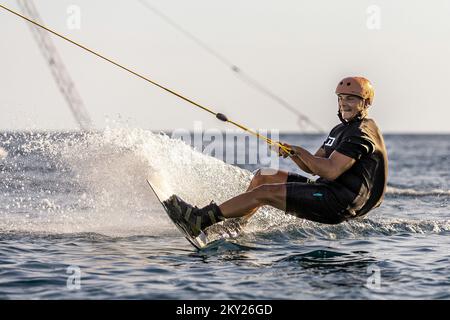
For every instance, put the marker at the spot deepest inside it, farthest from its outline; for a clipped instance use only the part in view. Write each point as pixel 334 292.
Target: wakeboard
pixel 198 242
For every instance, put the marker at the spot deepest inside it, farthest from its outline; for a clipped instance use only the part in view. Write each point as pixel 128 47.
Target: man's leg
pixel 265 176
pixel 245 204
pixel 248 202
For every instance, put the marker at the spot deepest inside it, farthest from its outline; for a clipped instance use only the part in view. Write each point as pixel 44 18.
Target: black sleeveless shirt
pixel 361 187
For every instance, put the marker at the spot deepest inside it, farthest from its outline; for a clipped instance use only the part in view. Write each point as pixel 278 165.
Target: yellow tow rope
pixel 219 116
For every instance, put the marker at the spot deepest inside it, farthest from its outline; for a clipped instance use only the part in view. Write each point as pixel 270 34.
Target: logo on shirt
pixel 330 141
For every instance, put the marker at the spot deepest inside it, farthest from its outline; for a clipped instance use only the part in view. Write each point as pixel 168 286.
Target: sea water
pixel 78 221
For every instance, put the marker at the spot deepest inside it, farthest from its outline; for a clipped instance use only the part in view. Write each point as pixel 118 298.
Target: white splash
pixel 3 153
pixel 110 168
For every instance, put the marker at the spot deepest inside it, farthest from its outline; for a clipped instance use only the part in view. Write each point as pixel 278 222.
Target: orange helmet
pixel 357 86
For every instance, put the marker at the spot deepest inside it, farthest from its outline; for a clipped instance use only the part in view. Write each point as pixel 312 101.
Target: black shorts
pixel 313 201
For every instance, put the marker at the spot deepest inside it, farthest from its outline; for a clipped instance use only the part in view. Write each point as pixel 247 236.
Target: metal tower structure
pixel 59 71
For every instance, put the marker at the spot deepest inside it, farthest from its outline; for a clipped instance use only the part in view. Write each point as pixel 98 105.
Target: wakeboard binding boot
pixel 191 219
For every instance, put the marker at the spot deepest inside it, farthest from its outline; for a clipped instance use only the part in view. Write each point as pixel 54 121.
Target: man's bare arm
pixel 298 161
pixel 328 168
pixel 320 153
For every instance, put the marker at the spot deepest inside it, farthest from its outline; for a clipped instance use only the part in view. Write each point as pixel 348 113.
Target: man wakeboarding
pixel 351 164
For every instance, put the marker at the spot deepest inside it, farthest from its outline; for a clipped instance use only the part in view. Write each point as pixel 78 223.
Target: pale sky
pixel 298 49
